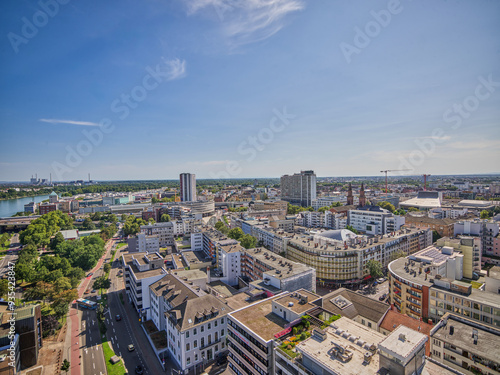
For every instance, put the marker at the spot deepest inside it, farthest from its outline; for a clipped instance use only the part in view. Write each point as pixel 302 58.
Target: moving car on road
pixel 131 348
pixel 118 317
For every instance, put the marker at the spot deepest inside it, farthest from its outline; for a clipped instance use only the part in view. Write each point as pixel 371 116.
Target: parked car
pixel 139 369
pixel 118 317
pixel 382 297
pixel 131 348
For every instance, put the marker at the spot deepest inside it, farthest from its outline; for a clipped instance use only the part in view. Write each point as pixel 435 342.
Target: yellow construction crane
pixel 391 170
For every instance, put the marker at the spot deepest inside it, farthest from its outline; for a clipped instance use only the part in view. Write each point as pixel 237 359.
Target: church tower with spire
pixel 350 198
pixel 362 198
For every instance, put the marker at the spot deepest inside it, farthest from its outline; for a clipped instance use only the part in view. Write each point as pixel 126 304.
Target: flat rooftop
pixel 306 240
pixel 260 319
pixel 294 299
pixel 402 343
pixel 488 340
pixel 193 257
pixel 352 336
pixel 281 268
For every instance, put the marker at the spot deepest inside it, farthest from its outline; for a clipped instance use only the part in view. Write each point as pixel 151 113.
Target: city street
pixel 90 351
pixel 128 331
pixel 92 355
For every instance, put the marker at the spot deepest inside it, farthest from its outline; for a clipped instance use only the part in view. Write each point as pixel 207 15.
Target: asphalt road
pixel 128 331
pixel 92 355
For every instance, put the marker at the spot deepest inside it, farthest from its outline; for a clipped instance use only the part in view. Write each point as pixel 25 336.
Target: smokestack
pixel 89 177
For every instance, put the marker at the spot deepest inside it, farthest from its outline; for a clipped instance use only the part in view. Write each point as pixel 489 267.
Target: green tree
pixel 219 225
pixel 101 283
pixel 107 268
pixel 388 206
pixel 435 236
pixel 484 214
pixel 65 366
pixel 59 238
pixel 151 221
pixel 323 209
pixel 397 254
pixel 375 268
pixel 413 209
pixel 349 227
pixel 88 224
pixel 248 241
pixel 165 218
pixel 4 288
pixel 235 233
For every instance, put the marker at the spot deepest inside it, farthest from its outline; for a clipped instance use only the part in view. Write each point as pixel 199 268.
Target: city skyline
pixel 248 89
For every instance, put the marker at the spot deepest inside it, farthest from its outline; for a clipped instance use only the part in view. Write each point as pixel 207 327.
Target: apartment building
pixel 140 270
pixel 299 188
pixel 229 262
pixel 212 239
pixel 196 330
pixel 410 278
pixel 253 329
pixel 374 220
pixel 282 222
pixel 271 238
pixel 45 208
pixel 466 346
pixel 143 243
pixel 486 230
pixel 445 227
pixel 27 340
pixel 328 201
pixel 277 271
pixel 463 300
pixel 166 232
pixel 166 294
pixel 340 257
pixel 470 247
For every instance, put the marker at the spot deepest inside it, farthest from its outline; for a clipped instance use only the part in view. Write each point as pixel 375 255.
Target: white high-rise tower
pixel 188 187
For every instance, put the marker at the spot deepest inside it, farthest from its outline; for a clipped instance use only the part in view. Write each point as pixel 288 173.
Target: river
pixel 10 206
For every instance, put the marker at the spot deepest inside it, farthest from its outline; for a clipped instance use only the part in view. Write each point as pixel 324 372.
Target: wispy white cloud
pixel 248 21
pixel 69 122
pixel 176 69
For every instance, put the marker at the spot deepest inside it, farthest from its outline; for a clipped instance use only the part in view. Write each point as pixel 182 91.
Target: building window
pixel 188 347
pixel 221 333
pixel 216 348
pixel 194 331
pixel 202 329
pixel 195 344
pixel 188 360
pixel 196 357
pixel 202 342
pixel 187 334
pixel 221 320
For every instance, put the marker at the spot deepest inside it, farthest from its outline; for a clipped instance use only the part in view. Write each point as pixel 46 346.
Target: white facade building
pixel 375 220
pixel 188 187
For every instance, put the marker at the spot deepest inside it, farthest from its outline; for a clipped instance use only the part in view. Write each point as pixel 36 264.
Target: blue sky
pixel 254 88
